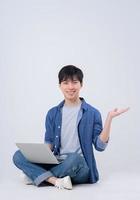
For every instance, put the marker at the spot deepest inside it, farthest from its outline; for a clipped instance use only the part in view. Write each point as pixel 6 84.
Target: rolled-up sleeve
pixel 97 129
pixel 100 144
pixel 49 133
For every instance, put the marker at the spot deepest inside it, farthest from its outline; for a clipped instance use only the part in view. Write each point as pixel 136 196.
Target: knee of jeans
pixel 17 157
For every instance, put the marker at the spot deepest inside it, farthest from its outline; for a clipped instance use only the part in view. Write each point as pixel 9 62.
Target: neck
pixel 73 102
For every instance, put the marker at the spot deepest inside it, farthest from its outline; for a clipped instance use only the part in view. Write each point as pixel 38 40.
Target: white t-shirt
pixel 69 133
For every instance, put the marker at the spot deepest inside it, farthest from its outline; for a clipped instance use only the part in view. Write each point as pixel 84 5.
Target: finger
pixel 123 110
pixel 126 109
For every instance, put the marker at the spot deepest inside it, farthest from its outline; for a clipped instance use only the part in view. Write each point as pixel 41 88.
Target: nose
pixel 70 85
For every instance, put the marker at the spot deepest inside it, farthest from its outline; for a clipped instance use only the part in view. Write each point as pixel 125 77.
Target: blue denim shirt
pixel 89 128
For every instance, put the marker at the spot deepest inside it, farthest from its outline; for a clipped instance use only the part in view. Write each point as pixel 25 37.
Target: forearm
pixel 104 136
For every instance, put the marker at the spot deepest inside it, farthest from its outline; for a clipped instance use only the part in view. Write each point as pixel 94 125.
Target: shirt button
pixel 58 126
pixel 56 136
pixel 55 146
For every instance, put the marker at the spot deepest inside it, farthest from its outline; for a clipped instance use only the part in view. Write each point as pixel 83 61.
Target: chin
pixel 71 98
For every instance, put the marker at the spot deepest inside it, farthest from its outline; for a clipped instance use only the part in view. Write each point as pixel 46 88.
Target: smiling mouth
pixel 70 93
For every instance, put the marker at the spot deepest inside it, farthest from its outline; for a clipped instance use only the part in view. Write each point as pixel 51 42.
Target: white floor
pixel 117 185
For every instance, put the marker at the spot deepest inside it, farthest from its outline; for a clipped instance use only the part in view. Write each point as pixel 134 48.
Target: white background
pixel 37 38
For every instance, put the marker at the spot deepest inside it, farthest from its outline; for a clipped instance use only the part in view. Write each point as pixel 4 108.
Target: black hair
pixel 70 72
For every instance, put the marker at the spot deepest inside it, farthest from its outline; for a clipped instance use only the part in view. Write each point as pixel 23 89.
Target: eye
pixel 75 82
pixel 65 82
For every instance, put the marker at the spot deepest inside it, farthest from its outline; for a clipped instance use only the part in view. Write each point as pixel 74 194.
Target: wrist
pixel 109 116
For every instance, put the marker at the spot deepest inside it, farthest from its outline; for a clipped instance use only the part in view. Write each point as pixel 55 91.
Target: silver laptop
pixel 37 153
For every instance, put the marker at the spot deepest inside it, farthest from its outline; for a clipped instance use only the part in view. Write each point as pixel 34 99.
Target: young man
pixel 72 127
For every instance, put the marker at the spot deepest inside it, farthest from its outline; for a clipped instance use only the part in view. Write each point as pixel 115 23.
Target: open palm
pixel 117 112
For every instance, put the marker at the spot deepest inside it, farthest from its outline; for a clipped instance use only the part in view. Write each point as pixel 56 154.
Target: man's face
pixel 70 89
